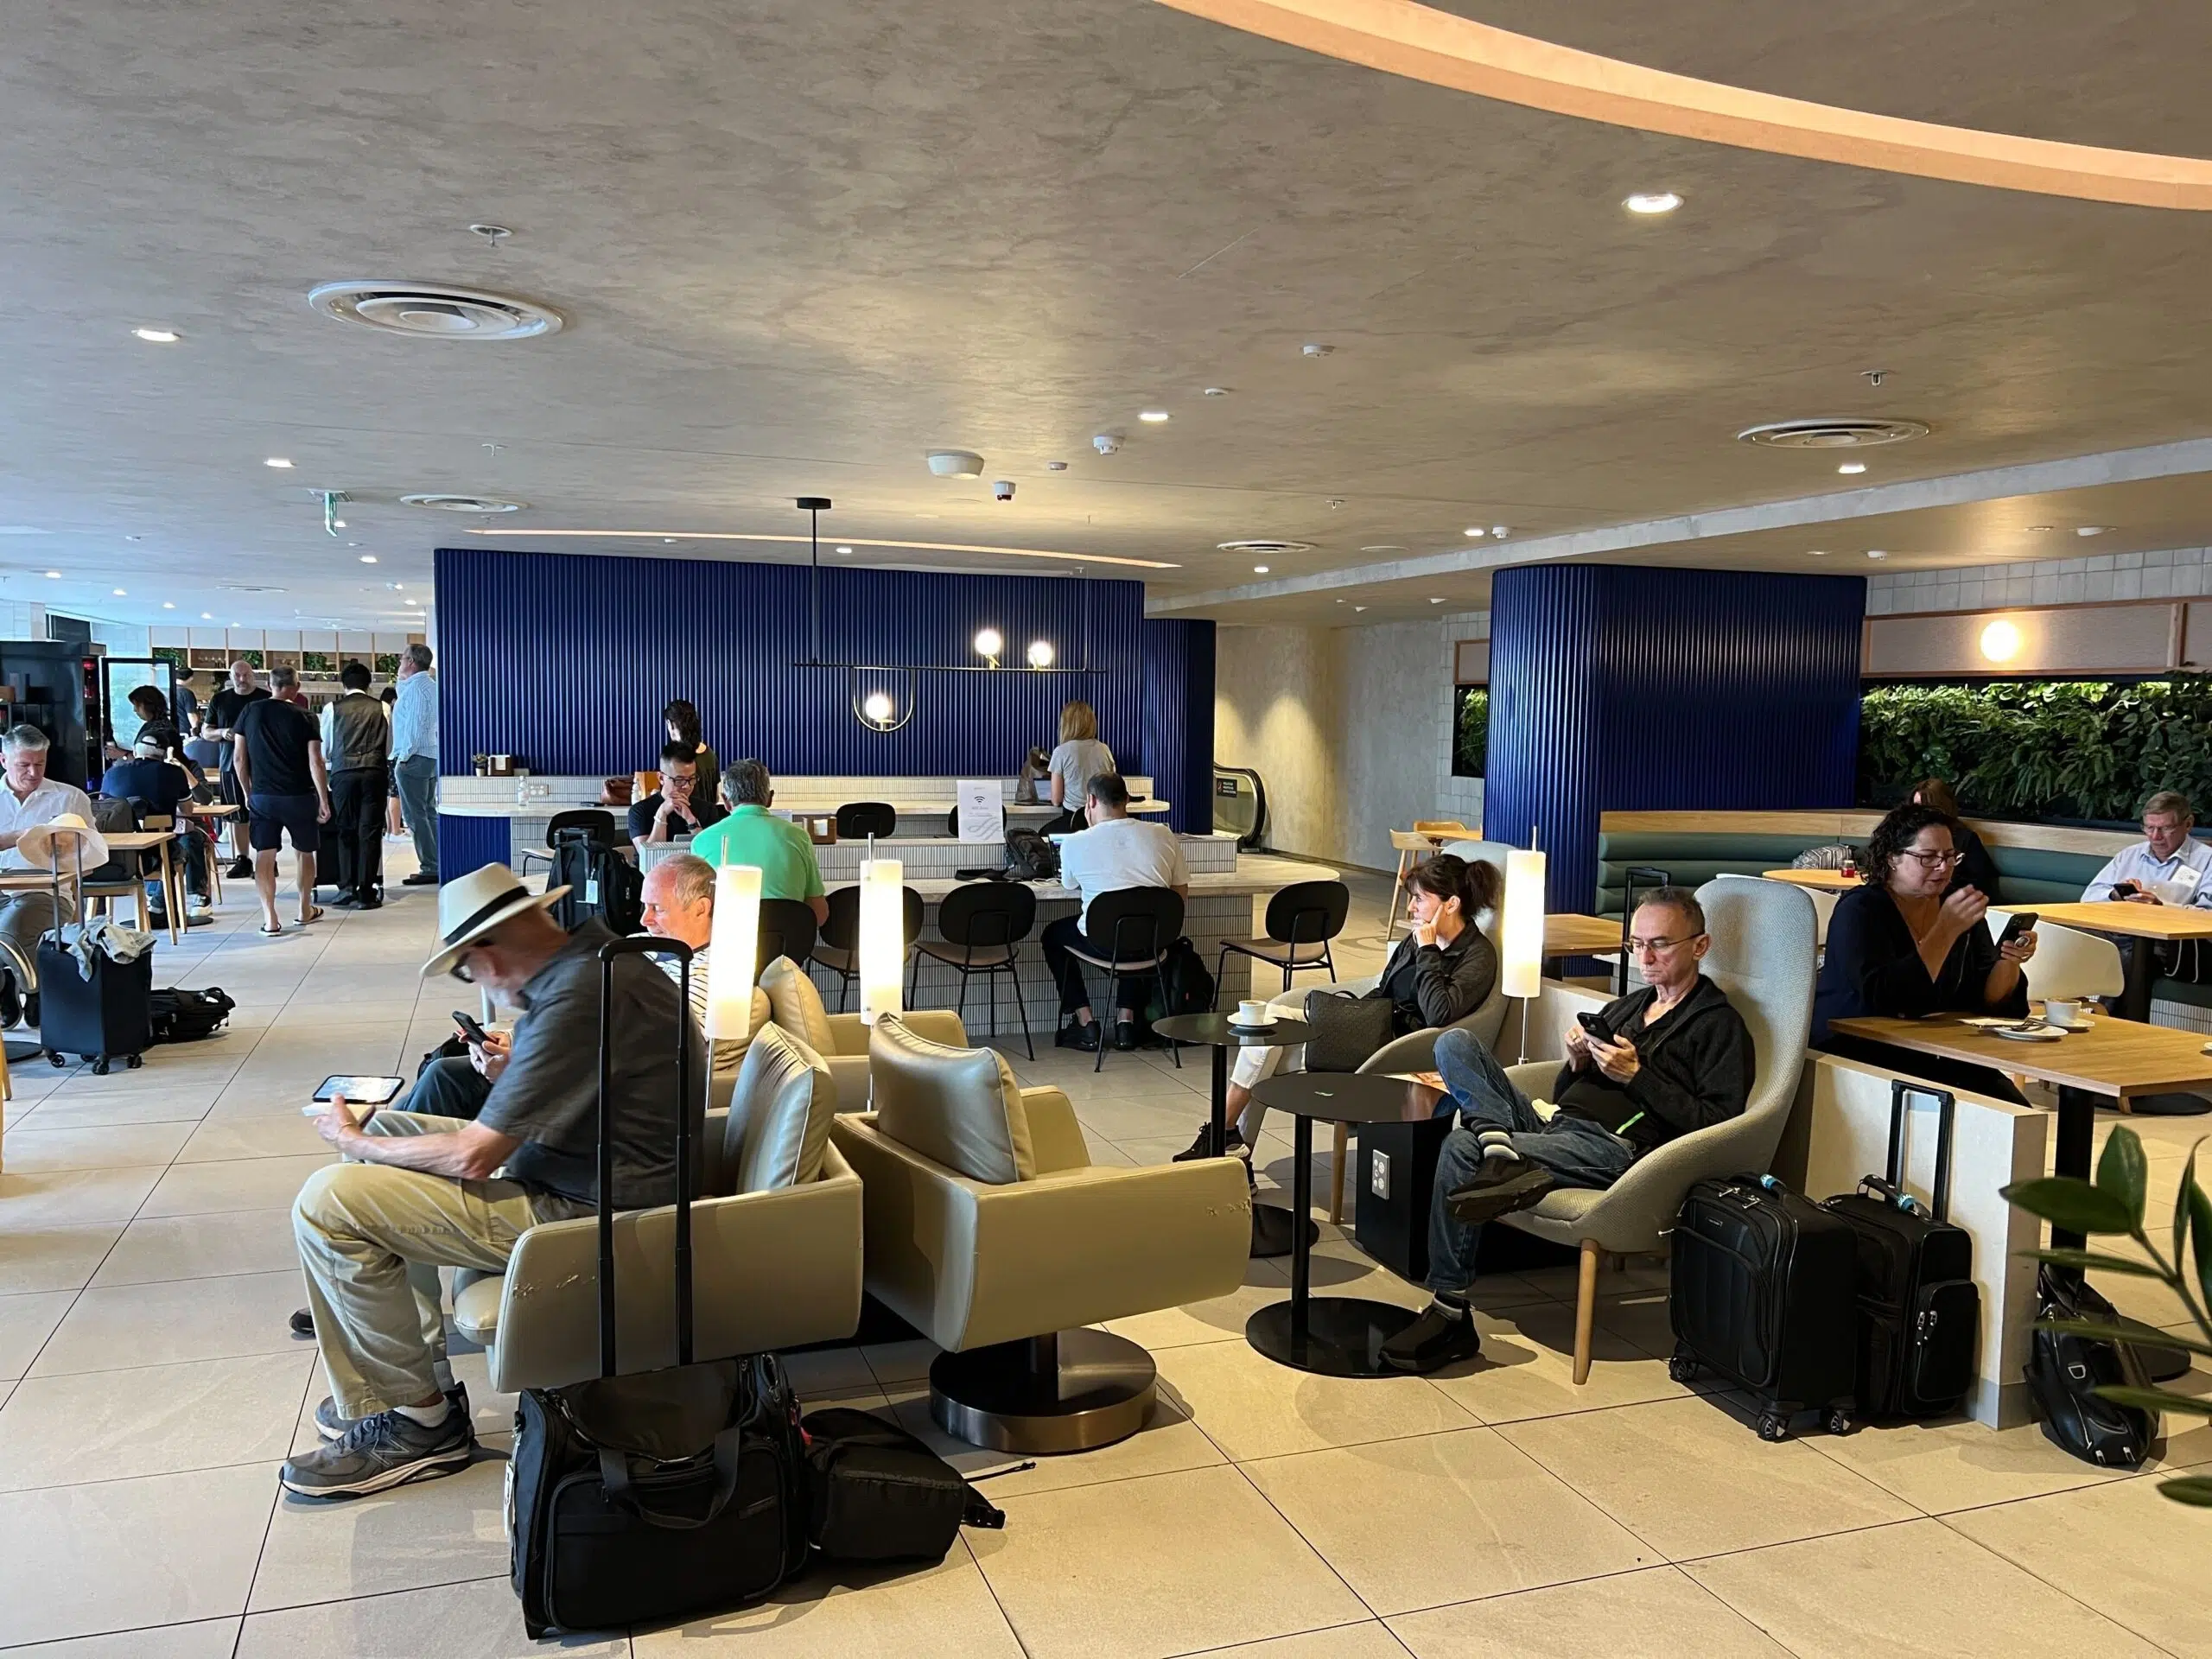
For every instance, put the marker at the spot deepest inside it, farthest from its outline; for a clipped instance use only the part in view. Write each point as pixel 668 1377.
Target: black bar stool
pixel 981 924
pixel 1301 920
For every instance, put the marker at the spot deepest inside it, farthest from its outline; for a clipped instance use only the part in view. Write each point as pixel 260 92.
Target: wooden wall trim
pixel 1856 826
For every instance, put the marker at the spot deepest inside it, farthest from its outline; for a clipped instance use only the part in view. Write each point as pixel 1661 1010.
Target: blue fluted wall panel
pixel 468 843
pixel 1615 689
pixel 1179 720
pixel 567 660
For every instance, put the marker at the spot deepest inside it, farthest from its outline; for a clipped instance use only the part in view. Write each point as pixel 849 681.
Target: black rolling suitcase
pixel 103 1019
pixel 1919 1309
pixel 666 1495
pixel 1764 1289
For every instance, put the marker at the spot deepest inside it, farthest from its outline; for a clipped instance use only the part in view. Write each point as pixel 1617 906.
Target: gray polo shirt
pixel 548 1097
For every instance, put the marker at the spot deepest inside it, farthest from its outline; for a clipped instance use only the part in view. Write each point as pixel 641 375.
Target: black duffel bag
pixel 2065 1370
pixel 668 1495
pixel 876 1493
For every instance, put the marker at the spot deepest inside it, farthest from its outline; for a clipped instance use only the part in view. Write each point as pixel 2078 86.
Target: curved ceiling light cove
pixel 1418 41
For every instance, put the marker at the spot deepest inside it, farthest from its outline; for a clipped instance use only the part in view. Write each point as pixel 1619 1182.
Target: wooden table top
pixel 213 810
pixel 2136 921
pixel 1567 934
pixel 2114 1057
pixel 1826 880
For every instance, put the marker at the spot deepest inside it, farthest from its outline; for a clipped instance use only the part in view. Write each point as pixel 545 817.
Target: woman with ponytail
pixel 1441 971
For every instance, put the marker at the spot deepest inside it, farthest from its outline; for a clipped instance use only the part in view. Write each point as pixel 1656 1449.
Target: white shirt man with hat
pixel 418 1192
pixel 31 799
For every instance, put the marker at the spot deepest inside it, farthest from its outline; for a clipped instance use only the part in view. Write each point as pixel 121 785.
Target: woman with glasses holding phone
pixel 1908 943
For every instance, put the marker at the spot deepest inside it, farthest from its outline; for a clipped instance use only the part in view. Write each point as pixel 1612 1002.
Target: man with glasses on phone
pixel 1661 1061
pixel 419 1193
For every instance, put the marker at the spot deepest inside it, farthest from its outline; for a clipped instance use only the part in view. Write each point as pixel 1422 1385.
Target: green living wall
pixel 1470 731
pixel 2041 749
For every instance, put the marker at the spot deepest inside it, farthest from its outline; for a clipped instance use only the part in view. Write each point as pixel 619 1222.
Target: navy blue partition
pixel 1179 720
pixel 1625 689
pixel 566 660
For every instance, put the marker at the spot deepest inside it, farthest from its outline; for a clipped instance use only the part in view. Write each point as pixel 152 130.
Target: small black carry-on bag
pixel 666 1494
pixel 105 1016
pixel 876 1493
pixel 1919 1309
pixel 1764 1290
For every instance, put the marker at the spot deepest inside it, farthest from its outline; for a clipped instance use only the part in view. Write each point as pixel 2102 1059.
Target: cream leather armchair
pixel 776 1256
pixel 794 1003
pixel 990 1231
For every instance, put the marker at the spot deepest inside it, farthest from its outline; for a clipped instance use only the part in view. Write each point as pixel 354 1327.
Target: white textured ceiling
pixel 800 244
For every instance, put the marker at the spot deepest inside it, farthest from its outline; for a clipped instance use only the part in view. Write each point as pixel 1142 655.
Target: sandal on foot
pixel 315 914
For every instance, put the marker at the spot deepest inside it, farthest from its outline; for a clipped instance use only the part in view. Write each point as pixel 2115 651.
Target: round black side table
pixel 1272 1225
pixel 1333 1335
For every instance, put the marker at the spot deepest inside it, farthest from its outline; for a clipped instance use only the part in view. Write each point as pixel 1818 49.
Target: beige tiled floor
pixel 149 1385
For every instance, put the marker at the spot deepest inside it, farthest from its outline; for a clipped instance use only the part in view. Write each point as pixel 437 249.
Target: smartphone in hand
pixel 2024 921
pixel 471 1032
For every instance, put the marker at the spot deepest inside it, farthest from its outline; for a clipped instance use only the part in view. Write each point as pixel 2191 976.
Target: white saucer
pixel 1267 1024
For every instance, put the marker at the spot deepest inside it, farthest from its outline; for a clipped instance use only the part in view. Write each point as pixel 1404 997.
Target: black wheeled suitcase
pixel 103 1017
pixel 1919 1309
pixel 1764 1289
pixel 666 1494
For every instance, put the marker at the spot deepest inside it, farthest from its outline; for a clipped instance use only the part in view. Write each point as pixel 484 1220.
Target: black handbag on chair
pixel 1346 1029
pixel 664 1494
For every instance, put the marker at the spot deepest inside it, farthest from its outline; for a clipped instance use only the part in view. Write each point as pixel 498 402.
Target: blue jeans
pixel 1577 1151
pixel 418 798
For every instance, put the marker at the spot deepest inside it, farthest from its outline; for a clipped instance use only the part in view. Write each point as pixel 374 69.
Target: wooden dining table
pixel 1819 880
pixel 2158 923
pixel 161 842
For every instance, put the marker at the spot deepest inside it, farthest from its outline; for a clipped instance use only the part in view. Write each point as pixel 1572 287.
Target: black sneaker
pixel 303 1322
pixel 388 1449
pixel 1125 1036
pixel 332 1427
pixel 241 870
pixel 1482 1200
pixel 1432 1342
pixel 419 879
pixel 1232 1147
pixel 1079 1036
pixel 11 1000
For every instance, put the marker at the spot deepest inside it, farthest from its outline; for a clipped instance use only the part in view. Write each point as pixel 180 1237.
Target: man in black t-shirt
pixel 277 754
pixel 671 812
pixel 219 724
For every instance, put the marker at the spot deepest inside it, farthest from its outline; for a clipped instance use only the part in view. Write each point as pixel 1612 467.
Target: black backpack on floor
pixel 662 1495
pixel 177 1015
pixel 1919 1309
pixel 876 1493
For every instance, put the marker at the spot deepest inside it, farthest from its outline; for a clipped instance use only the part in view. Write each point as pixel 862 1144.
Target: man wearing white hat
pixel 30 798
pixel 419 1193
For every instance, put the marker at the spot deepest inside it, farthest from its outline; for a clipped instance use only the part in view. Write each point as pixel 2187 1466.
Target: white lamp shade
pixel 1523 944
pixel 883 936
pixel 735 945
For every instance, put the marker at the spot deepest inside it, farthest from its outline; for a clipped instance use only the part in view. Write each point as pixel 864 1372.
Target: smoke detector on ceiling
pixel 433 311
pixel 1264 549
pixel 1833 432
pixel 955 463
pixel 439 503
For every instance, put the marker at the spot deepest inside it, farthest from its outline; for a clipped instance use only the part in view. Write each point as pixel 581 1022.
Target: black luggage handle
pixel 644 945
pixel 1947 1111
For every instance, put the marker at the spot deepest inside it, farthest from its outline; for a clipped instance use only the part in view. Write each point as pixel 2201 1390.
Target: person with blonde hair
pixel 1080 758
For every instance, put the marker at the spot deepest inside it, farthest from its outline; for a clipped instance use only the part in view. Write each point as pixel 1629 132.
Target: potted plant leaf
pixel 2113 1204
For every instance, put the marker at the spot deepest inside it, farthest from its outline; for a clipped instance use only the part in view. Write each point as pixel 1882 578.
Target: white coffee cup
pixel 2062 1012
pixel 1251 1013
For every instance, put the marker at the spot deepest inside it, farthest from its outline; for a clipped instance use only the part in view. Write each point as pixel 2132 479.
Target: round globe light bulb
pixel 877 707
pixel 989 642
pixel 2001 642
pixel 1040 653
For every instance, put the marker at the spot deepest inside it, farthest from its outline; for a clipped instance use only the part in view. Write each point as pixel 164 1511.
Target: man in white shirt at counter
pixel 2168 866
pixel 1117 852
pixel 415 758
pixel 31 797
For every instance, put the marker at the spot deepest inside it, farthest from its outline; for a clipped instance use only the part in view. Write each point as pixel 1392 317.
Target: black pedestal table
pixel 1332 1336
pixel 1272 1224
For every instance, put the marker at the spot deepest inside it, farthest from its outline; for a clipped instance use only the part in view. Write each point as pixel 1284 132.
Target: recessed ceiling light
pixel 158 336
pixel 1499 532
pixel 207 616
pixel 1153 416
pixel 668 540
pixel 1876 553
pixel 845 550
pixel 119 594
pixel 1344 602
pixel 1313 348
pixel 1259 570
pixel 1359 607
pixel 278 462
pixel 1852 467
pixel 1056 466
pixel 1473 529
pixel 1650 202
pixel 2040 530
pixel 53 575
pixel 169 605
pixel 1817 553
pixel 1436 601
pixel 2091 530
pixel 368 559
pixel 1216 391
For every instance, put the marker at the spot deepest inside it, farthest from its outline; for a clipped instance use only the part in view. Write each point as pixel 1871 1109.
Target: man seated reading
pixel 1674 1056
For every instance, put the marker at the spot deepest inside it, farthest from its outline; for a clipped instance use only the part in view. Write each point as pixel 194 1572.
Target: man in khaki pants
pixel 417 1192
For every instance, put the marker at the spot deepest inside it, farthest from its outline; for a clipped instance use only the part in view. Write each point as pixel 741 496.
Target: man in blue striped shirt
pixel 2170 866
pixel 415 758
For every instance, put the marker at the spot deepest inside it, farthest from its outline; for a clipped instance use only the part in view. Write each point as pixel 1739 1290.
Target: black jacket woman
pixel 1907 944
pixel 1438 974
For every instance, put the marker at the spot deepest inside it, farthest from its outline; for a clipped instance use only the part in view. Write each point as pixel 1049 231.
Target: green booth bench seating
pixel 2027 875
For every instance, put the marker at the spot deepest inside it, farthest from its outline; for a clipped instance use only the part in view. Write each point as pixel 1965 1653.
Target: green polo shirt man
pixel 751 835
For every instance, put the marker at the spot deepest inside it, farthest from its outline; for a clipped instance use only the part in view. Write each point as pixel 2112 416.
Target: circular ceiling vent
pixel 1263 548
pixel 435 312
pixel 1836 432
pixel 437 502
